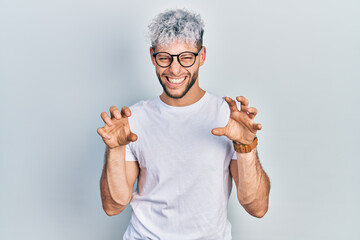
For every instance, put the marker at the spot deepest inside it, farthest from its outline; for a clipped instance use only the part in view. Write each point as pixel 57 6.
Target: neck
pixel 191 97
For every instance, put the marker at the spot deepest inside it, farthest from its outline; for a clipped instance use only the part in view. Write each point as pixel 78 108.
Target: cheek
pixel 193 71
pixel 159 71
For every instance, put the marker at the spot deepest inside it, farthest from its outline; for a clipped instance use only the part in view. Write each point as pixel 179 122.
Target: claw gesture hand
pixel 241 127
pixel 116 131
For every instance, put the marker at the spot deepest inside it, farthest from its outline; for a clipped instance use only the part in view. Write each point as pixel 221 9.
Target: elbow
pixel 113 208
pixel 113 211
pixel 255 208
pixel 110 212
pixel 259 213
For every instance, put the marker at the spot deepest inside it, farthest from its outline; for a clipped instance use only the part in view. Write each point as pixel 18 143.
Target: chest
pixel 181 147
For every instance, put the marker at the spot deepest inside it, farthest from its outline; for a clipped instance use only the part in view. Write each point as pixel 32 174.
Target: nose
pixel 175 67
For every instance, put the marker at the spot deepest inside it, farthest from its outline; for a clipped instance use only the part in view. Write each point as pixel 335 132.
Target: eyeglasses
pixel 186 59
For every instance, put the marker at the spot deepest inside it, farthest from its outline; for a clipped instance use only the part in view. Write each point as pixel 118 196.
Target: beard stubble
pixel 188 87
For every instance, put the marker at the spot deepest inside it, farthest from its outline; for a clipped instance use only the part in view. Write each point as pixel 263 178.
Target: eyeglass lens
pixel 165 59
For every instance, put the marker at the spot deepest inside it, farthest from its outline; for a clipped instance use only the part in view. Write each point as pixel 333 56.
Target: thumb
pixel 218 131
pixel 132 137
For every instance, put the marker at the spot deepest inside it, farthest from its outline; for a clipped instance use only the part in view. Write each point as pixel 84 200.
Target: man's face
pixel 175 79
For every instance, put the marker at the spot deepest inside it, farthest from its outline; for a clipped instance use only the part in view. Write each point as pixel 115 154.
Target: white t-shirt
pixel 184 181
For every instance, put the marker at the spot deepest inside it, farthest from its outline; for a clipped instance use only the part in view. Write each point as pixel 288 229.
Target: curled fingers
pixel 125 112
pixel 102 133
pixel 114 112
pixel 105 117
pixel 244 103
pixel 252 112
pixel 232 104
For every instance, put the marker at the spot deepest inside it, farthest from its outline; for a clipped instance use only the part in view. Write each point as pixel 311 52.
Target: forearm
pixel 254 184
pixel 115 191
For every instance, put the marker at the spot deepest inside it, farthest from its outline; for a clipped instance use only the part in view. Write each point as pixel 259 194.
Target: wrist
pixel 245 148
pixel 252 152
pixel 114 155
pixel 115 149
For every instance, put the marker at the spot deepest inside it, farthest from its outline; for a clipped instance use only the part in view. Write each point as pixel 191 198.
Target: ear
pixel 152 57
pixel 202 56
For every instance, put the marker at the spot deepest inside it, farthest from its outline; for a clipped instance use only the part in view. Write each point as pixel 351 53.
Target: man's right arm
pixel 118 176
pixel 117 181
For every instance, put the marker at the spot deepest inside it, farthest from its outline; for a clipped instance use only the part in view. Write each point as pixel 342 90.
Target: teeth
pixel 176 80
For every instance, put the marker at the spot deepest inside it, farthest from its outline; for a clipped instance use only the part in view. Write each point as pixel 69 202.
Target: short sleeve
pixel 234 155
pixel 129 156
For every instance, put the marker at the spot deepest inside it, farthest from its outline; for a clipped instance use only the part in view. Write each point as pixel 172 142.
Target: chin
pixel 175 95
pixel 178 93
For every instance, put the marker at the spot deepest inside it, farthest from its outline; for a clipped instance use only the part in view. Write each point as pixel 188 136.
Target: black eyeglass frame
pixel 177 56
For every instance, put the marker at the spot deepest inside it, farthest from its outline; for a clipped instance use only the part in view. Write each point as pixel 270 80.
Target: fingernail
pixel 108 137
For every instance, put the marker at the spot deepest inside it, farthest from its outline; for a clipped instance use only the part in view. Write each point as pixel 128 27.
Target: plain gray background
pixel 63 62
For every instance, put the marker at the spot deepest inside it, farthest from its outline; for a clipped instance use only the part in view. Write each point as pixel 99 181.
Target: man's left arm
pixel 252 183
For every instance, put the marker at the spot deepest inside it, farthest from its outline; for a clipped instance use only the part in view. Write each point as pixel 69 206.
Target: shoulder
pixel 218 102
pixel 214 97
pixel 142 111
pixel 143 106
pixel 218 107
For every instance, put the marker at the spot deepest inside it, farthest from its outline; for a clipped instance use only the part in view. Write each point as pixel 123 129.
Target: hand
pixel 241 127
pixel 116 131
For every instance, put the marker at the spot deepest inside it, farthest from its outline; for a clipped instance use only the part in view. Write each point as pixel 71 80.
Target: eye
pixel 187 56
pixel 163 57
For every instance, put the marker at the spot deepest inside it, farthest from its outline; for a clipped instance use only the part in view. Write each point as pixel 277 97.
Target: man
pixel 184 147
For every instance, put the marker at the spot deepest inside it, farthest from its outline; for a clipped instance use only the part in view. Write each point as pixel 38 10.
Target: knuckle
pixel 125 110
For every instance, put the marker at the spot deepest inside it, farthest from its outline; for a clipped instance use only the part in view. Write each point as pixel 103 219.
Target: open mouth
pixel 175 82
